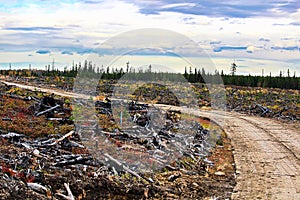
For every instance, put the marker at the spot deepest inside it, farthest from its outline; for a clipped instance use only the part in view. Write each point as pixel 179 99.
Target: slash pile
pixel 44 156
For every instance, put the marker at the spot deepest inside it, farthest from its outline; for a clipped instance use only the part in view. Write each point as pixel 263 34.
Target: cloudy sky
pixel 256 34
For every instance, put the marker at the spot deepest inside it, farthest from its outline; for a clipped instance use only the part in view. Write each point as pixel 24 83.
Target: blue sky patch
pixel 43 51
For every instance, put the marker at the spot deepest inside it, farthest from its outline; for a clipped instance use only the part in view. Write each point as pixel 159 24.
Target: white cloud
pixel 178 5
pixel 95 23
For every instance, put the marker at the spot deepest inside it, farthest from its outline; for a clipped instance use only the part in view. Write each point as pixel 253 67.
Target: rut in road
pixel 267 157
pixel 266 152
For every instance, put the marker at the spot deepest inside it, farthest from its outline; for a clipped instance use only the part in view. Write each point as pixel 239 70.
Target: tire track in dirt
pixel 266 155
pixel 266 152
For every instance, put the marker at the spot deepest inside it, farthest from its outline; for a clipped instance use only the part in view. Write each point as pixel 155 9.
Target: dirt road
pixel 266 153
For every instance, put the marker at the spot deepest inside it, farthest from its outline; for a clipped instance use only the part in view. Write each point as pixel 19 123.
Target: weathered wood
pixel 264 109
pixel 122 166
pixel 55 119
pixel 72 160
pixel 47 111
pixel 38 187
pixel 62 138
pixel 69 196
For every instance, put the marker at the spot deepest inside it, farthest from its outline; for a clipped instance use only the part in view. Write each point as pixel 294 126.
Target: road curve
pixel 266 152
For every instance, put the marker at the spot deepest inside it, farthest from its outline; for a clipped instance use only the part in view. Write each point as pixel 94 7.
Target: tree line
pixel 193 75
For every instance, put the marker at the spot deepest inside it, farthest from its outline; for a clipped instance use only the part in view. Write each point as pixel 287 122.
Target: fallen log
pixel 47 111
pixel 69 196
pixel 264 109
pixel 39 188
pixel 77 160
pixel 55 119
pixel 120 165
pixel 12 136
pixel 62 138
pixel 13 96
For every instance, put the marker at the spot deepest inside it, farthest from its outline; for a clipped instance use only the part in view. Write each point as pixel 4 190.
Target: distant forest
pixel 193 75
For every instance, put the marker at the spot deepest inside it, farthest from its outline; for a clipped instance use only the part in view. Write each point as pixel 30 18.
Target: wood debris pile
pixel 59 165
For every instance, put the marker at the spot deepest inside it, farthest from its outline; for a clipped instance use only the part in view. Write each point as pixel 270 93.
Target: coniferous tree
pixel 233 69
